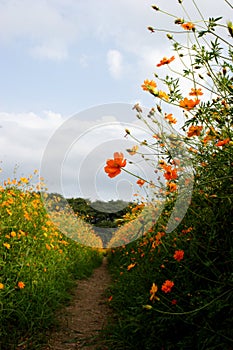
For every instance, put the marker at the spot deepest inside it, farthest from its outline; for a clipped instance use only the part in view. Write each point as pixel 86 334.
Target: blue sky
pixel 61 57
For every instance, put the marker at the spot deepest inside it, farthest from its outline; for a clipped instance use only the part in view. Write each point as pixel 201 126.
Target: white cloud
pixel 44 28
pixel 50 28
pixel 115 63
pixel 23 138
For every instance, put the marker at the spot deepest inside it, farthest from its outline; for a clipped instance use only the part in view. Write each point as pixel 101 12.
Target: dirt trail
pixel 81 321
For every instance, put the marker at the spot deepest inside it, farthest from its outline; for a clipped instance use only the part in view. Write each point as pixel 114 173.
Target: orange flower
pixel 153 291
pixel 21 285
pixel 165 60
pixel 141 182
pixel 1 286
pixel 149 85
pixel 172 186
pixel 167 286
pixel 178 255
pixel 171 174
pixel 194 130
pixel 188 26
pixel 131 266
pixel 195 92
pixel 170 118
pixel 113 167
pixel 133 150
pixel 223 142
pixel 189 104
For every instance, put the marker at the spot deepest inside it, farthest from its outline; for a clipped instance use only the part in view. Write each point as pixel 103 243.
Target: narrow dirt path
pixel 81 321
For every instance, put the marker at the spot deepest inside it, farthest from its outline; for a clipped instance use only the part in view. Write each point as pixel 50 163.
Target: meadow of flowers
pixel 38 264
pixel 172 289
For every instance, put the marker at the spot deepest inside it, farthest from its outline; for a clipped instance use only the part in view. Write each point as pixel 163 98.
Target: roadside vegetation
pixel 172 288
pixel 38 265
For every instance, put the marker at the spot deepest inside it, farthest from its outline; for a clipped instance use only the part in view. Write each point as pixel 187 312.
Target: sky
pixel 63 59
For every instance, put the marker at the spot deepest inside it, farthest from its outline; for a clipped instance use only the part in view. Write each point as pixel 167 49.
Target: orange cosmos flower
pixel 178 255
pixel 195 92
pixel 165 60
pixel 189 104
pixel 133 150
pixel 194 130
pixel 188 26
pixel 153 291
pixel 113 167
pixel 172 186
pixel 170 118
pixel 167 286
pixel 149 85
pixel 223 142
pixel 141 182
pixel 170 174
pixel 130 266
pixel 21 285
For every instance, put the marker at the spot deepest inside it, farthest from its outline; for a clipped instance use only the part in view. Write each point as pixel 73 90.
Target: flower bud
pixel 154 7
pixel 179 21
pixel 159 108
pixel 230 28
pixel 151 29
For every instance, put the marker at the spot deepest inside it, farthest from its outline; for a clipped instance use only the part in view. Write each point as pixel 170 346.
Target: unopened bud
pixel 127 131
pixel 137 107
pixel 159 108
pixel 151 29
pixel 230 28
pixel 154 7
pixel 169 36
pixel 179 21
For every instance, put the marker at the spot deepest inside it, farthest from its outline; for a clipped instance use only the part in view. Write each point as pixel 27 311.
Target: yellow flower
pixel 13 234
pixel 24 180
pixel 163 95
pixel 7 245
pixel 1 286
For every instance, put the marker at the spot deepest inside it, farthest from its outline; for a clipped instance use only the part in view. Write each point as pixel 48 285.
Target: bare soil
pixel 80 323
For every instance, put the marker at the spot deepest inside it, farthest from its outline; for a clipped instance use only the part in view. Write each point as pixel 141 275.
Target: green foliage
pixel 101 214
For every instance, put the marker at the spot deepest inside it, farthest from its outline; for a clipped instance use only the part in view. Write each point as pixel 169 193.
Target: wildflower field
pixel 171 255
pixel 38 265
pixel 172 288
